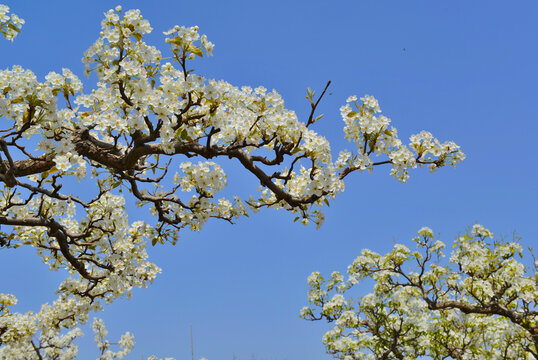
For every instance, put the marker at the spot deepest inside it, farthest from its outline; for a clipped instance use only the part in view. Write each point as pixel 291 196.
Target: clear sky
pixel 464 70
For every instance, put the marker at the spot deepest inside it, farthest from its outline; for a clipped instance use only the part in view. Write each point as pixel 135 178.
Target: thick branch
pixel 111 157
pixel 55 230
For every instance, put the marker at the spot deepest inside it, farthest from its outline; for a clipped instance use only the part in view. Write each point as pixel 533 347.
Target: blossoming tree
pixel 154 130
pixel 483 305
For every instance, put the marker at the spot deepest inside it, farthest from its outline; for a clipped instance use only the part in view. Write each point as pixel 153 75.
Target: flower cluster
pixel 10 25
pixel 126 342
pixel 371 133
pixel 183 42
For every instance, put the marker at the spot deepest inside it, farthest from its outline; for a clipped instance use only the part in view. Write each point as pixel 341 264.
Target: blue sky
pixel 466 71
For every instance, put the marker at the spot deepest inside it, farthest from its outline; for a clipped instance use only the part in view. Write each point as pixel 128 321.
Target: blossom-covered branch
pixel 154 130
pixel 484 305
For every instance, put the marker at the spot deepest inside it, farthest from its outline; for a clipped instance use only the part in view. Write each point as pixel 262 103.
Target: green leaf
pixel 297 218
pixel 352 114
pixel 137 36
pixel 183 134
pixel 318 117
pixel 154 241
pixel 326 202
pixel 196 51
pixel 39 103
pixel 13 27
